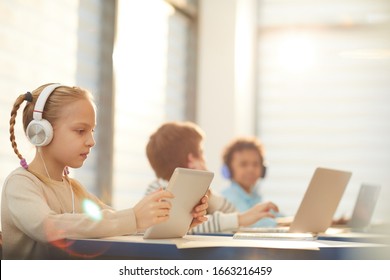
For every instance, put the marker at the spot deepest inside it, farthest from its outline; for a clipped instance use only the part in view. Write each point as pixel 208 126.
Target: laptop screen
pixel 364 206
pixel 320 201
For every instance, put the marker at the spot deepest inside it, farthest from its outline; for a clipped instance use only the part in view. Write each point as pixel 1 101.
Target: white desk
pixel 221 247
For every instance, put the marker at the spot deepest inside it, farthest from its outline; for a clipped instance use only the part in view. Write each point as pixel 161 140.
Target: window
pixel 323 94
pixel 153 68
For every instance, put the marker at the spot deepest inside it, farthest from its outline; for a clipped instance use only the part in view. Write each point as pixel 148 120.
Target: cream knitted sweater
pixel 34 215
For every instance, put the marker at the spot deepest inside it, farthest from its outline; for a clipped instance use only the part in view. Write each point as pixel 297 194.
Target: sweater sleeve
pixel 30 212
pixel 220 203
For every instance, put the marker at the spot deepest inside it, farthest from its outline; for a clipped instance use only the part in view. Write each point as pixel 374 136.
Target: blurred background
pixel 310 78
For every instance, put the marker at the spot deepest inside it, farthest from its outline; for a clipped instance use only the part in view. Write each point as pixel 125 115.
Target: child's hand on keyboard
pixel 257 212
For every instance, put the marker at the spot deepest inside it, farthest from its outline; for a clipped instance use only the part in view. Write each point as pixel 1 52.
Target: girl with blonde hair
pixel 41 204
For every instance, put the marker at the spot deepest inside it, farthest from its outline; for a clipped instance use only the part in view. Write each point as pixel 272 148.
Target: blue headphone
pixel 225 170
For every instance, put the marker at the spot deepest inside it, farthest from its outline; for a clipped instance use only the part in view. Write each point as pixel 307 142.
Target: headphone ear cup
pixel 226 172
pixel 39 132
pixel 264 169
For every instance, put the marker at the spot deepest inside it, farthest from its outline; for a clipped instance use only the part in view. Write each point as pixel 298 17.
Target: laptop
pixel 364 207
pixel 317 208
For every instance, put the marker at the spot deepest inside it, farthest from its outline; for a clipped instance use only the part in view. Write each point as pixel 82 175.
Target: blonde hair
pixel 59 98
pixel 170 145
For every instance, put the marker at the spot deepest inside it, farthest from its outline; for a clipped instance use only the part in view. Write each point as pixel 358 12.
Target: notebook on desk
pixel 317 207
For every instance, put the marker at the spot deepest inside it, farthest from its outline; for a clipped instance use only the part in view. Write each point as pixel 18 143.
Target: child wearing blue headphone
pixel 244 166
pixel 180 144
pixel 41 205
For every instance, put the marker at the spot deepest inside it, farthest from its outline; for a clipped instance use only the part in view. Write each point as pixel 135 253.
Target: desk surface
pixel 378 238
pixel 200 247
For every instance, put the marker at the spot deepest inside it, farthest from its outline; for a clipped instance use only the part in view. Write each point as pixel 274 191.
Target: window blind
pixel 323 96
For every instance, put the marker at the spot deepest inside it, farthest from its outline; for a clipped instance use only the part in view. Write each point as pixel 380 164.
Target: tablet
pixel 188 186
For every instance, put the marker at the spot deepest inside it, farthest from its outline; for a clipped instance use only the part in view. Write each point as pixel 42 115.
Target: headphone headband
pixel 39 131
pixel 40 104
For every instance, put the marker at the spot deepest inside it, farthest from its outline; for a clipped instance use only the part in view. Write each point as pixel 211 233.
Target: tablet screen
pixel 188 186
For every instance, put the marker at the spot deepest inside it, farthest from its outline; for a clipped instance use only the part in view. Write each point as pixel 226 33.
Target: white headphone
pixel 39 131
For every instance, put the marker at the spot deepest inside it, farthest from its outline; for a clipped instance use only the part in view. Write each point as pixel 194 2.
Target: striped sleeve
pixel 217 222
pixel 155 185
pixel 220 203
